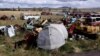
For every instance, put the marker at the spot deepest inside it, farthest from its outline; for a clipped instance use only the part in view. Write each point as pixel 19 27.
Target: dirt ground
pixel 90 53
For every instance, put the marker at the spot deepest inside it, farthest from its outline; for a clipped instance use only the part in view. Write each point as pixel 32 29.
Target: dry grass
pixel 18 13
pixel 7 46
pixel 11 22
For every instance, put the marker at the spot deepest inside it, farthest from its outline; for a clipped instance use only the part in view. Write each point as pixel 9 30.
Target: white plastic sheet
pixel 1 27
pixel 52 37
pixel 27 17
pixel 11 31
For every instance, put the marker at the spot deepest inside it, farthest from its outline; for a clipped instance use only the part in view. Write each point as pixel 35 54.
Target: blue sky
pixel 50 3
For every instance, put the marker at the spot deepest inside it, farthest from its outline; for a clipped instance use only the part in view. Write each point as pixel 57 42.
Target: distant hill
pixel 47 8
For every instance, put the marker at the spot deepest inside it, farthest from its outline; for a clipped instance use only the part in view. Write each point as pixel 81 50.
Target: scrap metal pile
pixel 51 34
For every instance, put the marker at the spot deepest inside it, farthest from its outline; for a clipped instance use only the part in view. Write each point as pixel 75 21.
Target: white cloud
pixel 25 1
pixel 50 3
